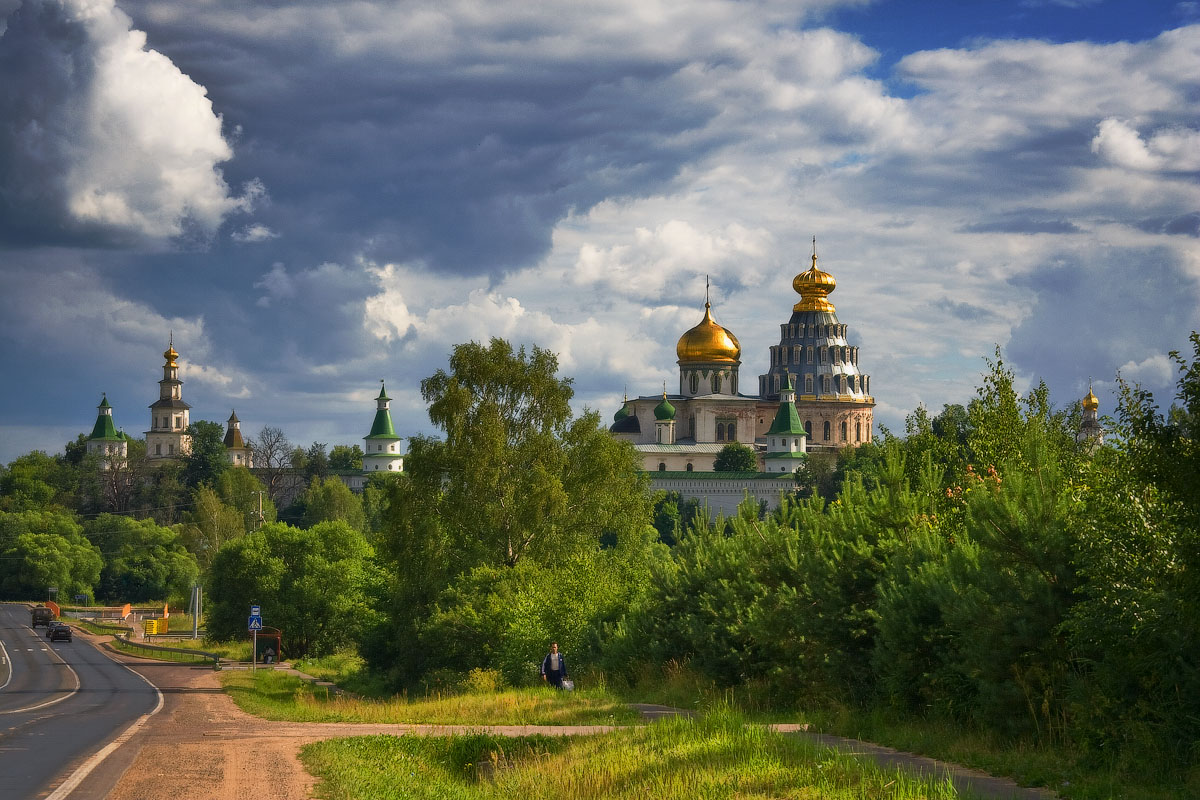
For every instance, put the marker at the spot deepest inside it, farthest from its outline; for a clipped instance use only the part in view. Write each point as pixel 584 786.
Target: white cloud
pixel 1154 370
pixel 253 234
pixel 120 140
pixel 1170 149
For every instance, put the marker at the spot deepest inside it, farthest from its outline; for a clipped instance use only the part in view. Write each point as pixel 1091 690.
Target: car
pixel 59 631
pixel 51 625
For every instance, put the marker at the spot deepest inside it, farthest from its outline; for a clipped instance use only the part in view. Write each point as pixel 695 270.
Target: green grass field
pixel 717 756
pixel 279 696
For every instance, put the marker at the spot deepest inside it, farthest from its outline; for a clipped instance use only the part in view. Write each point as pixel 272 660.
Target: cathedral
pixel 812 396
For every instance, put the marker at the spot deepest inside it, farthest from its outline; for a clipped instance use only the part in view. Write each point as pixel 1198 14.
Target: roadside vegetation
pixel 982 573
pixel 279 696
pixel 716 756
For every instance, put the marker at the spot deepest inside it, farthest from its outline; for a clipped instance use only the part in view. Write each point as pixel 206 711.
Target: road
pixel 60 703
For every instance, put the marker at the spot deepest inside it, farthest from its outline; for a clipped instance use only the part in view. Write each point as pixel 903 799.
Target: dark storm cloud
pixel 967 312
pixel 102 142
pixel 465 163
pixel 1091 314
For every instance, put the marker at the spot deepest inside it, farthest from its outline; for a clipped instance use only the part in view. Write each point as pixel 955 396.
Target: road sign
pixel 254 623
pixel 255 611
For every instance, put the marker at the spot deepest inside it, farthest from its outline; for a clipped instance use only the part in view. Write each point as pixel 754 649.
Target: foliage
pixel 208 457
pixel 316 585
pixel 238 488
pixel 736 457
pixel 209 526
pixel 40 549
pixel 35 481
pixel 515 480
pixel 330 499
pixel 346 458
pixel 142 561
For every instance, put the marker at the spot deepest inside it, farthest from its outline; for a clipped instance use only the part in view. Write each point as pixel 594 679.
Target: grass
pixel 717 756
pixel 134 648
pixel 279 696
pixel 1060 768
pixel 348 671
pixel 100 629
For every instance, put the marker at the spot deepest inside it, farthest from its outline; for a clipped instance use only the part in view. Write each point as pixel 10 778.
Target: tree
pixel 329 500
pixel 316 462
pixel 34 481
pixel 515 480
pixel 272 453
pixel 142 561
pixel 346 457
pixel 75 450
pixel 316 585
pixel 40 549
pixel 209 525
pixel 111 483
pixel 238 488
pixel 208 458
pixel 736 457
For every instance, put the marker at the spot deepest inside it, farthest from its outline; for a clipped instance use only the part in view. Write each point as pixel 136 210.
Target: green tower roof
pixel 382 427
pixel 664 410
pixel 105 430
pixel 786 421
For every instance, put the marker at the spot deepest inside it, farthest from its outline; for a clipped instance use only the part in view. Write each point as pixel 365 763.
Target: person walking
pixel 554 667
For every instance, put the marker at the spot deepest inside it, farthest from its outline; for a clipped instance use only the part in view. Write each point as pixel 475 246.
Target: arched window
pixel 808 384
pixel 716 383
pixel 689 467
pixel 796 354
pixel 662 467
pixel 824 354
pixel 695 383
pixel 808 355
pixel 827 430
pixel 731 431
pixel 858 431
pixel 733 384
pixel 843 430
pixel 720 431
pixel 825 384
pixel 808 428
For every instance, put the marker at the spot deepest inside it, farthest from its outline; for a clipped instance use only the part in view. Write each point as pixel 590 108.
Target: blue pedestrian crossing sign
pixel 254 623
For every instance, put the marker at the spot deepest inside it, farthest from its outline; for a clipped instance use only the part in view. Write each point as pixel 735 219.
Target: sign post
pixel 255 625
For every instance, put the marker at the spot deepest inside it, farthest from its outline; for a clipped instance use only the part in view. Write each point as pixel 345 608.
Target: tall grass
pixel 717 756
pixel 279 696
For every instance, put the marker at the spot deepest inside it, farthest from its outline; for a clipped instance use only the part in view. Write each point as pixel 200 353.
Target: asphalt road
pixel 60 703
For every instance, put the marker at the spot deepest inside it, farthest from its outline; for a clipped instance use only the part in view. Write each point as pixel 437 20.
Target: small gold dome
pixel 1091 402
pixel 709 342
pixel 814 287
pixel 170 355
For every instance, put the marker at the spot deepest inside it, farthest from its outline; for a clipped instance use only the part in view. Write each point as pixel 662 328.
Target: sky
pixel 311 197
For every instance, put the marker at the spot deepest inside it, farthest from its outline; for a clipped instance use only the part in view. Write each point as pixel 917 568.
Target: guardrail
pixel 200 655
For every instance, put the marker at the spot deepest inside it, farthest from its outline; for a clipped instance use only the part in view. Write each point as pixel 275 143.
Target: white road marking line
pixel 85 769
pixel 5 660
pixel 55 700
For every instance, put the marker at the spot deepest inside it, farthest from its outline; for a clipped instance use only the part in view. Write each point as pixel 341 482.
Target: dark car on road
pixel 59 632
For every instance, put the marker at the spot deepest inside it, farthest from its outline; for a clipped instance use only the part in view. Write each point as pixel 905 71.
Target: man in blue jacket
pixel 554 667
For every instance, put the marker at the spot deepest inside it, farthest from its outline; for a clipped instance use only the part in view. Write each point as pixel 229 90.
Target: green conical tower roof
pixel 105 430
pixel 787 421
pixel 382 427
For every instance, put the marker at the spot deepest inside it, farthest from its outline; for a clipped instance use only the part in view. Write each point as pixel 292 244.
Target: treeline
pixel 140 530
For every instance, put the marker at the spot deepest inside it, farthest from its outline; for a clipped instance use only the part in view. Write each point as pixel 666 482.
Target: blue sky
pixel 315 196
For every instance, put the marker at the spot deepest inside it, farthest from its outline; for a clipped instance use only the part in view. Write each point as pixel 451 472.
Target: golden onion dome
pixel 709 342
pixel 814 286
pixel 1091 402
pixel 170 355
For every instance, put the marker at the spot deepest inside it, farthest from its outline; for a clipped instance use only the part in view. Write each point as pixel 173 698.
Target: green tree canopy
pixel 208 458
pixel 40 549
pixel 330 500
pixel 209 525
pixel 34 481
pixel 316 585
pixel 143 561
pixel 736 457
pixel 238 488
pixel 346 457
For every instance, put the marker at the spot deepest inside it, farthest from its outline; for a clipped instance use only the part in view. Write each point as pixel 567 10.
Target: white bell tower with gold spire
pixel 169 415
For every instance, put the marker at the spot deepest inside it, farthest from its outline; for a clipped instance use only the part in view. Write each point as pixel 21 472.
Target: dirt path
pixel 201 746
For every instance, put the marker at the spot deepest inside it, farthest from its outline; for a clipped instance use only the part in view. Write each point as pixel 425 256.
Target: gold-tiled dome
pixel 170 355
pixel 709 342
pixel 814 287
pixel 1091 402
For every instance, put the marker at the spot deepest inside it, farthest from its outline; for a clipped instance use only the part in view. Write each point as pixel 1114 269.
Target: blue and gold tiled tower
pixel 833 397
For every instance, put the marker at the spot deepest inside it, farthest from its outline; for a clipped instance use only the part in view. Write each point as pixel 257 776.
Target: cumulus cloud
pixel 101 138
pixel 253 234
pixel 1174 149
